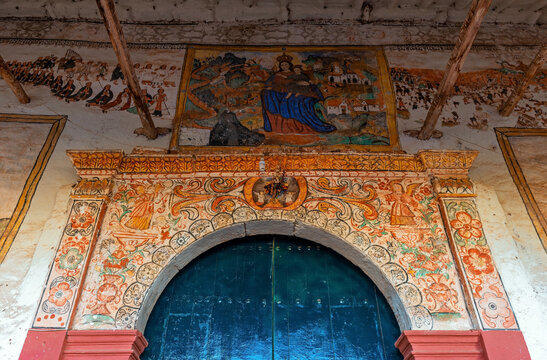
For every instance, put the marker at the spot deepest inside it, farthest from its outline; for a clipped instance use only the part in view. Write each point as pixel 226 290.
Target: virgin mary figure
pixel 291 103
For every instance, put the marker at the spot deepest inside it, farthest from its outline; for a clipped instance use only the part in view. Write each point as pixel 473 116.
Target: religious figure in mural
pixel 401 213
pixel 141 215
pixel 291 102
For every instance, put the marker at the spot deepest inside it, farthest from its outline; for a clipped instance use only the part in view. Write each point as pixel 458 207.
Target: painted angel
pixel 141 215
pixel 401 211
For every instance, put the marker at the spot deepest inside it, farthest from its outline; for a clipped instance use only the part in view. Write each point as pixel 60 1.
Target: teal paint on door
pixel 271 297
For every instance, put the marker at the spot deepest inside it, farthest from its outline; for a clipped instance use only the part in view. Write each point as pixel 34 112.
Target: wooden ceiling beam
pixel 468 31
pixel 12 82
pixel 520 88
pixel 114 29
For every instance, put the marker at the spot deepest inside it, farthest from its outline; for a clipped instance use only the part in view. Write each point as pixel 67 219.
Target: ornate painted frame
pixel 23 204
pixel 385 80
pixel 503 135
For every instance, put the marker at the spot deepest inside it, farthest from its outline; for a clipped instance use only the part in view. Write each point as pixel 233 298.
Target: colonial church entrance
pixel 271 297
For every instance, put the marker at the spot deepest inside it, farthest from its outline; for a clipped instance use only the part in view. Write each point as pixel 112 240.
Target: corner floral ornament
pixel 466 226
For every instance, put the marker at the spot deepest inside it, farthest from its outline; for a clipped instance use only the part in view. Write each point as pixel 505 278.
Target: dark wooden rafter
pixel 12 82
pixel 520 88
pixel 468 31
pixel 114 29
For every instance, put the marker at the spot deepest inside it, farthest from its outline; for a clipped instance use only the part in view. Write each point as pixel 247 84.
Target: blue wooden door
pixel 271 297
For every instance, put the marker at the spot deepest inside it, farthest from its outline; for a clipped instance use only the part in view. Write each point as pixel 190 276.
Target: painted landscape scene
pixel 285 96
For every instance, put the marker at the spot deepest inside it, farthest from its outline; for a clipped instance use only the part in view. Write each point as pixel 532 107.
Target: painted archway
pixel 271 297
pixel 135 220
pixel 304 231
pixel 154 222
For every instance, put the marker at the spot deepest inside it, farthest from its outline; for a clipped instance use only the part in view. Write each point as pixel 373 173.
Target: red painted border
pixel 463 345
pixel 413 344
pixel 83 344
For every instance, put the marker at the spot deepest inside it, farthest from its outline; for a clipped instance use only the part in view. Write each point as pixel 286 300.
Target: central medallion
pixel 277 192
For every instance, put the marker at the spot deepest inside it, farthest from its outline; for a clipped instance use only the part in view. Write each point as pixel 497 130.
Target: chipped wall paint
pixel 515 247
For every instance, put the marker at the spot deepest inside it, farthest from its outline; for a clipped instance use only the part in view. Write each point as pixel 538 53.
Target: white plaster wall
pixel 517 251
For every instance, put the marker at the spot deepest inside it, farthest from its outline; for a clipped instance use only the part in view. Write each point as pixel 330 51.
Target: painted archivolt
pixel 487 290
pixel 394 222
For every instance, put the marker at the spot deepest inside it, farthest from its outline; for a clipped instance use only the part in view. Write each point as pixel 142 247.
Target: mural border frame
pixel 18 215
pixel 384 77
pixel 503 134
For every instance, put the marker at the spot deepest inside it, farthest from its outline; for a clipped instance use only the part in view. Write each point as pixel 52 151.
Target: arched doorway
pixel 271 297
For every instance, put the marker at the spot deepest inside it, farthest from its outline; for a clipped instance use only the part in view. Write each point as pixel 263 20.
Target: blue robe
pixel 297 107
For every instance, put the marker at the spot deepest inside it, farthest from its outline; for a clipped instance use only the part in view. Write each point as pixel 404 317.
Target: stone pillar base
pixel 463 345
pixel 83 344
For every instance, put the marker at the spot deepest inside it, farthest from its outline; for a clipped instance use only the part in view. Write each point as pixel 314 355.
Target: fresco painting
pixel 296 96
pixel 98 83
pixel 26 143
pixel 476 98
pixel 172 214
pixel 490 299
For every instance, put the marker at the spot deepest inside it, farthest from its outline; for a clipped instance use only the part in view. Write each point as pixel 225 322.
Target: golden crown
pixel 284 58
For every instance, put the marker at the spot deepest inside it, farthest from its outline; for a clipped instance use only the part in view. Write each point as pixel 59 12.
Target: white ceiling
pixel 183 11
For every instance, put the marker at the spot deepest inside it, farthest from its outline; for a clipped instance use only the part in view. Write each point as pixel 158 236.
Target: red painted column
pixel 463 345
pixel 83 345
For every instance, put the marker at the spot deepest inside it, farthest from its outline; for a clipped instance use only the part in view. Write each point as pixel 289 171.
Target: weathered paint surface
pixel 512 239
pixel 394 222
pixel 318 95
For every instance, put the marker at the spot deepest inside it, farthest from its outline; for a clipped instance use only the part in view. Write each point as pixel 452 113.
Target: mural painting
pixel 99 84
pixel 26 143
pixel 489 297
pixel 477 93
pixel 394 222
pixel 297 96
pixel 521 149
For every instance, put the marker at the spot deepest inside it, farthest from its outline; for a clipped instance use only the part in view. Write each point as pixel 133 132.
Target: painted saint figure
pixel 291 102
pixel 401 213
pixel 141 215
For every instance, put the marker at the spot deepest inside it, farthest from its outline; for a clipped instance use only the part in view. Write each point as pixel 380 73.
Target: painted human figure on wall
pixel 291 103
pixel 121 102
pixel 85 92
pixel 401 212
pixel 159 101
pixel 141 215
pixel 102 98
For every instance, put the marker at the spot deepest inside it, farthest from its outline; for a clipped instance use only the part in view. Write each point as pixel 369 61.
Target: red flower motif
pixel 466 226
pixel 478 262
pixel 81 220
pixel 60 294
